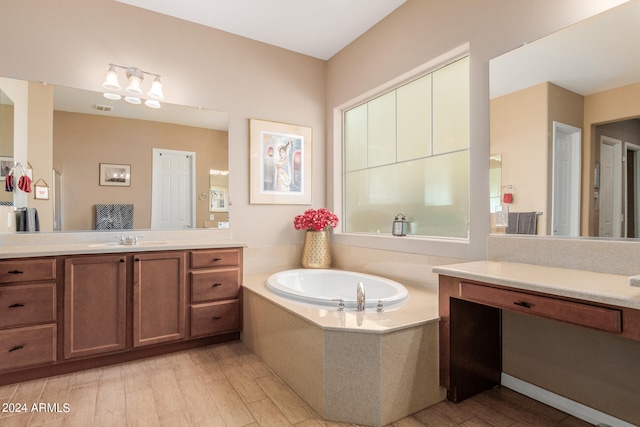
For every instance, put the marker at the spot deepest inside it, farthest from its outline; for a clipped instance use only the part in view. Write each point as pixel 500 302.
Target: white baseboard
pixel 561 403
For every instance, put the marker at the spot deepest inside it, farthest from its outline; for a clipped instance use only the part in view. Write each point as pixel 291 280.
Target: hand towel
pixel 27 220
pixel 522 223
pixel 8 183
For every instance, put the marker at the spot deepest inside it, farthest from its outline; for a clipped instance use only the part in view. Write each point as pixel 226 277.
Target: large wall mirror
pixel 565 123
pixel 123 166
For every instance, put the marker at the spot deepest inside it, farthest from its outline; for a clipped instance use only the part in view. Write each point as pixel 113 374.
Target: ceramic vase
pixel 316 252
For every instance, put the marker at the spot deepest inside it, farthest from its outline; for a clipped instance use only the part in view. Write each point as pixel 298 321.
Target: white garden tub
pixel 327 287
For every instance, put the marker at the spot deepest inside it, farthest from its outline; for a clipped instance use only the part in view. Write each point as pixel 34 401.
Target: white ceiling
pixel 85 101
pixel 594 55
pixel 318 28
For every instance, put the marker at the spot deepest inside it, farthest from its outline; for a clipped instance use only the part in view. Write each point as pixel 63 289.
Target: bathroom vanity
pixel 77 309
pixel 473 295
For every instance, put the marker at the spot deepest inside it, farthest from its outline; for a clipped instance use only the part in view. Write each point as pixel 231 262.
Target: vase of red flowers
pixel 316 252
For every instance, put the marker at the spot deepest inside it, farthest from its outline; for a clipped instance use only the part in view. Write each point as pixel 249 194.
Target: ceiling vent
pixel 103 107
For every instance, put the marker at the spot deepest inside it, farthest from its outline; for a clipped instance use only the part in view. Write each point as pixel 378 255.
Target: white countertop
pixel 21 245
pixel 23 251
pixel 603 288
pixel 421 307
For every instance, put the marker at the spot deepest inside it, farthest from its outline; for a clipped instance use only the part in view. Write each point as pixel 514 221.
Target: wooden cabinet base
pixel 69 313
pixel 112 359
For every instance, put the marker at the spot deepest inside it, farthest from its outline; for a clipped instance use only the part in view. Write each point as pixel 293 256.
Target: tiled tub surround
pixel 367 368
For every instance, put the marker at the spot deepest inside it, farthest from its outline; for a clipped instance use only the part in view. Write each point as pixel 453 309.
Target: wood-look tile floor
pixel 226 385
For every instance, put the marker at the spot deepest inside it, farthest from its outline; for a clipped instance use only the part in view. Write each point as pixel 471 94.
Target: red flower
pixel 316 220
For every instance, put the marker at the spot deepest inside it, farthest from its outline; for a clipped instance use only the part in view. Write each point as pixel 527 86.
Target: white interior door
pixel 565 207
pixel 610 192
pixel 173 190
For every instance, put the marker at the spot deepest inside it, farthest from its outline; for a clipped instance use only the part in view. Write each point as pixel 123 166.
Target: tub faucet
pixel 360 300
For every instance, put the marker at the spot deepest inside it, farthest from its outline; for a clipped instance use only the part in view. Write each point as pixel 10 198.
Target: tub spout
pixel 360 297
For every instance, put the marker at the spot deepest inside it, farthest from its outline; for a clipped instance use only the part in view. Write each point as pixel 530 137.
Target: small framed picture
pixel 6 163
pixel 218 200
pixel 41 190
pixel 115 175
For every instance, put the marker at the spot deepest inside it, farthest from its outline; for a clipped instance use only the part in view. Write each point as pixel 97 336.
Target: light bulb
pixel 156 89
pixel 113 96
pixel 111 79
pixel 132 100
pixel 135 77
pixel 152 103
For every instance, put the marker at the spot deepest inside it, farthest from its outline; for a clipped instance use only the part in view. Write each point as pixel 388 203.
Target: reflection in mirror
pixel 6 155
pixel 564 107
pixel 495 199
pixel 89 130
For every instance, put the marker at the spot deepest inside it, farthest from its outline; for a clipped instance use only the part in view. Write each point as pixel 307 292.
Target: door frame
pixel 575 134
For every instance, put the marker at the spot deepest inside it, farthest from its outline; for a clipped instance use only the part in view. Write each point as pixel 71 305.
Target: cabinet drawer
pixel 21 347
pixel 27 270
pixel 215 318
pixel 27 304
pixel 215 285
pixel 215 258
pixel 602 318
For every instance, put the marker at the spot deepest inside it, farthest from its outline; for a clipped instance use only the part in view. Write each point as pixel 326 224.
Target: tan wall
pixel 519 135
pixel 6 130
pixel 522 132
pixel 6 141
pixel 40 149
pixel 83 141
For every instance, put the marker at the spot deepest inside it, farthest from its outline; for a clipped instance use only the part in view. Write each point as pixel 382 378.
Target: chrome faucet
pixel 360 300
pixel 128 240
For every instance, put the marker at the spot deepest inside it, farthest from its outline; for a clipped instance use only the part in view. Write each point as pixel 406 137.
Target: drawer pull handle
pixel 522 304
pixel 216 259
pixel 16 272
pixel 216 284
pixel 16 305
pixel 18 347
pixel 216 318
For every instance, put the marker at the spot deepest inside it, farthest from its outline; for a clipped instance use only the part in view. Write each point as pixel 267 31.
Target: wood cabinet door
pixel 159 297
pixel 95 292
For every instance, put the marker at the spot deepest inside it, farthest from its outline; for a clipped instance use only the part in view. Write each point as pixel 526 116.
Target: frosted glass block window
pixel 355 138
pixel 414 131
pixel 451 108
pixel 381 140
pixel 407 152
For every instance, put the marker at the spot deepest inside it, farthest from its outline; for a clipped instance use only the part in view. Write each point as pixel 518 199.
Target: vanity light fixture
pixel 135 77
